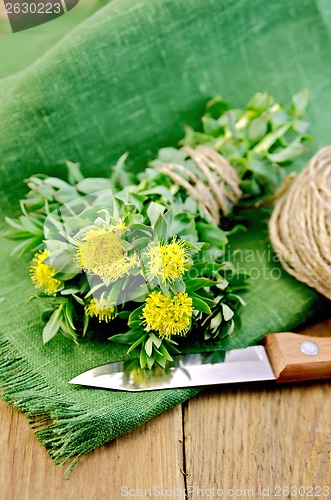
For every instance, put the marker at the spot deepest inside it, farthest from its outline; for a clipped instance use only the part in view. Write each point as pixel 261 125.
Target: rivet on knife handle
pixel 296 358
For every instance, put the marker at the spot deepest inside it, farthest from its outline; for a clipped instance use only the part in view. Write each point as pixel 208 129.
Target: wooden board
pixel 235 440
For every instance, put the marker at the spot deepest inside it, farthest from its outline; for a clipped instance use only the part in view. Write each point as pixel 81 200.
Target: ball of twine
pixel 214 185
pixel 300 226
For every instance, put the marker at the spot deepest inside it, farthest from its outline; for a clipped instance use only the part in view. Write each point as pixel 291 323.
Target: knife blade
pixel 285 357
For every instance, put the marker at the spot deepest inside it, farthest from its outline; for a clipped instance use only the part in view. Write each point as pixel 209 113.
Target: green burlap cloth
pixel 128 78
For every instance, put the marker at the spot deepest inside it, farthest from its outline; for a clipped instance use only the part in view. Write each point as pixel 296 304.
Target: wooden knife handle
pixel 295 358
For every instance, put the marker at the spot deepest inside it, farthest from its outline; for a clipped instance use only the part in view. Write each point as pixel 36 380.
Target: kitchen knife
pixel 285 357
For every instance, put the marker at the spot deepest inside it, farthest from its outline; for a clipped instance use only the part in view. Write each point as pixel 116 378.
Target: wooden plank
pixel 148 456
pixel 260 437
pixel 234 438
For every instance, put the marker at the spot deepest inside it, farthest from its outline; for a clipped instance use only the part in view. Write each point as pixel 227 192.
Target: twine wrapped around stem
pixel 215 187
pixel 300 226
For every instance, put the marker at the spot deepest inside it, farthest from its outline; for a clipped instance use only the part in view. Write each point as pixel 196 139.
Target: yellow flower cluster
pixel 101 309
pixel 100 251
pixel 167 261
pixel 166 315
pixel 42 275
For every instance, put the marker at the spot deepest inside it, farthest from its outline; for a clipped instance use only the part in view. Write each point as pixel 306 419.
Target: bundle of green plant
pixel 141 256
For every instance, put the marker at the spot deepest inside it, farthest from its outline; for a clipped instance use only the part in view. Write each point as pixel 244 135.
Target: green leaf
pixel 16 235
pixel 257 129
pixel 136 343
pixel 16 224
pixel 289 153
pixel 261 101
pixel 251 187
pixel 149 347
pixel 300 102
pixel 265 144
pixel 94 184
pixel 178 286
pixel 70 291
pixel 200 305
pixel 197 283
pixel 216 321
pixel 135 315
pixel 29 245
pixel 301 126
pixel 206 268
pixel 165 352
pixel 143 358
pixel 258 166
pixel 236 298
pixel 161 227
pixel 154 211
pixel 227 312
pixel 212 126
pixel 164 287
pixel 135 325
pixel 68 314
pixel 75 175
pixel 31 226
pixel 68 332
pixel 150 361
pixel 193 138
pixel 230 327
pixel 86 324
pixel 160 191
pixel 216 107
pixel 278 117
pixel 118 172
pixel 203 295
pixel 127 338
pixel 53 325
pixel 94 289
pixel 141 243
pixel 115 295
pixel 222 283
pixel 156 340
pixel 160 359
pixel 212 234
pixel 46 314
pixel 171 155
pixel 123 314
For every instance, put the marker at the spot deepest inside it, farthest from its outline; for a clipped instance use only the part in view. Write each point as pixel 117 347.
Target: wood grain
pixel 260 436
pixel 290 364
pixel 248 439
pixel 235 438
pixel 148 456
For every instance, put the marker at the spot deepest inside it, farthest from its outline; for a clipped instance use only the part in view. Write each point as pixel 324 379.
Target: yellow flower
pixel 100 251
pixel 120 226
pixel 42 275
pixel 167 261
pixel 166 315
pixel 101 309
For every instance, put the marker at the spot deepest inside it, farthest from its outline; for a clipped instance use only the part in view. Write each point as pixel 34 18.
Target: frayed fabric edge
pixel 61 428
